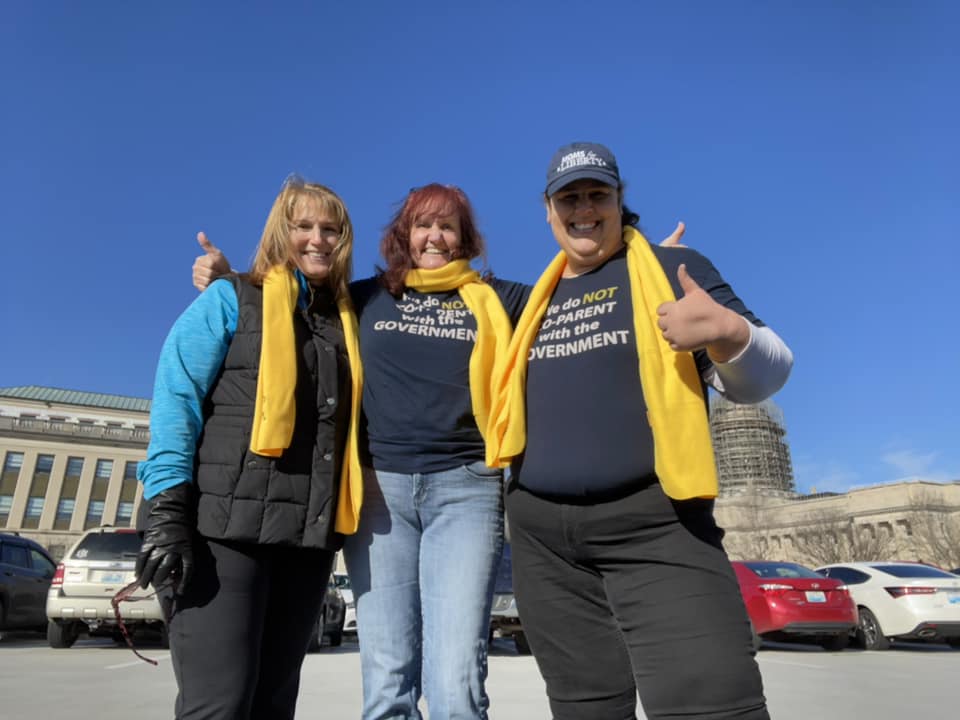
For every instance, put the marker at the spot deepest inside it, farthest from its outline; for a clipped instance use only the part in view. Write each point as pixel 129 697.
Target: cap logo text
pixel 578 158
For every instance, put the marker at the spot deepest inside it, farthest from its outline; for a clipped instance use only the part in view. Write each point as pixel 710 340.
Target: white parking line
pixel 137 662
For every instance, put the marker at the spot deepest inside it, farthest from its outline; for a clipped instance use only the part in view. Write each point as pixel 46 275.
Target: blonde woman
pixel 252 450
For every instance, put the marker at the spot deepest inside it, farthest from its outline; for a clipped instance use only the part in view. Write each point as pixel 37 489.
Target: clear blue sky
pixel 813 149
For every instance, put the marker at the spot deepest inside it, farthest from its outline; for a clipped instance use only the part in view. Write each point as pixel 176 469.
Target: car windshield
pixel 781 570
pixel 913 571
pixel 108 546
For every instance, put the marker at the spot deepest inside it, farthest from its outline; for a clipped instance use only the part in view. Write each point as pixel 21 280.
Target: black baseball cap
pixel 582 160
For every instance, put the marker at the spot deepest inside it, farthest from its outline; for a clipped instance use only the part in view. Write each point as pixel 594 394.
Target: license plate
pixel 816 596
pixel 112 578
pixel 953 597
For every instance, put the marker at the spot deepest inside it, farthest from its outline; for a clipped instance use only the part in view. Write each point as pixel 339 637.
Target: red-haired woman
pixel 424 558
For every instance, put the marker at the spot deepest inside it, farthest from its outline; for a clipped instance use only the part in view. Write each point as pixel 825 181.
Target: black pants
pixel 240 631
pixel 632 594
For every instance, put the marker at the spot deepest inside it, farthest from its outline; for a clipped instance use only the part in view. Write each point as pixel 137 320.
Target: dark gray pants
pixel 632 594
pixel 240 631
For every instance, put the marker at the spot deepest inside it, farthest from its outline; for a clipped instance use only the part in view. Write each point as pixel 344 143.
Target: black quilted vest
pixel 289 500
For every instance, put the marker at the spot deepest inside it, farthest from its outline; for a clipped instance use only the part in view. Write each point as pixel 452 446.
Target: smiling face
pixel 434 241
pixel 585 219
pixel 314 234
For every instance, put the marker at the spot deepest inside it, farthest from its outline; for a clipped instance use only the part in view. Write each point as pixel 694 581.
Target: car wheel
pixel 521 644
pixel 869 633
pixel 336 638
pixel 316 637
pixel 954 643
pixel 164 636
pixel 835 643
pixel 62 635
pixel 755 639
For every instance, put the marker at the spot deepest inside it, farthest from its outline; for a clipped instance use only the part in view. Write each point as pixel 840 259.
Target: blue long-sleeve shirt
pixel 190 361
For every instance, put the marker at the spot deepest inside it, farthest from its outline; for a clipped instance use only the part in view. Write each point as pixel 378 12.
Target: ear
pixel 546 205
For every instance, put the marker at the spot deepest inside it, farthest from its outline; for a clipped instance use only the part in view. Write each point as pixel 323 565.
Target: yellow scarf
pixel 493 326
pixel 351 476
pixel 683 453
pixel 275 411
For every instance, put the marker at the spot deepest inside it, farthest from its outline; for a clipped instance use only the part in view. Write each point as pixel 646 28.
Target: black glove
pixel 167 550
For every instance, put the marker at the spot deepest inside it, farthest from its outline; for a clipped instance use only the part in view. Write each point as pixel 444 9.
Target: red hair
pixel 426 203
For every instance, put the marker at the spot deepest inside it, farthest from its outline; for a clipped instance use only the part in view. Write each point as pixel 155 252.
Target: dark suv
pixel 26 570
pixel 330 621
pixel 504 618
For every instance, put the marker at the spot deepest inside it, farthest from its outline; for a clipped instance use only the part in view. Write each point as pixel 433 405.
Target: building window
pixel 94 514
pixel 8 484
pixel 38 492
pixel 128 495
pixel 98 493
pixel 68 494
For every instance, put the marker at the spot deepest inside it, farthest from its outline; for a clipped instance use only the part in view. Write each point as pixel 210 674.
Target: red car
pixel 787 601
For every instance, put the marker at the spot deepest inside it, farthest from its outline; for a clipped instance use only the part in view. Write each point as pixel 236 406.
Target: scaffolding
pixel 751 451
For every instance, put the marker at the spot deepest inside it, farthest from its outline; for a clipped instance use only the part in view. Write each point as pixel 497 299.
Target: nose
pixel 319 237
pixel 434 232
pixel 583 201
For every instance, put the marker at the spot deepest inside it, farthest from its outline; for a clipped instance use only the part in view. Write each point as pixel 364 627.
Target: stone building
pixel 69 462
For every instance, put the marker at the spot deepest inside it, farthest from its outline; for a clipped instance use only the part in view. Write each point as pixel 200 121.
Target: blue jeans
pixel 422 566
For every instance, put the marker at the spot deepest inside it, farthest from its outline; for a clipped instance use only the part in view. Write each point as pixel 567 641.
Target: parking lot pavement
pixel 98 679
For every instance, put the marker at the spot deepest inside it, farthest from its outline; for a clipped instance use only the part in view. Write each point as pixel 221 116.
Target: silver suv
pixel 91 573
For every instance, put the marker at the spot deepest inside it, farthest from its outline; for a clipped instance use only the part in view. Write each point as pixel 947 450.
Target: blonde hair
pixel 274 247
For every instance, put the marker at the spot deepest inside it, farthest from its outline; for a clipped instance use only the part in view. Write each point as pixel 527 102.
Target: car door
pixel 42 569
pixel 19 581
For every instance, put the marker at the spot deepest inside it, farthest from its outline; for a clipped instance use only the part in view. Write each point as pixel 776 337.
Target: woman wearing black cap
pixel 619 572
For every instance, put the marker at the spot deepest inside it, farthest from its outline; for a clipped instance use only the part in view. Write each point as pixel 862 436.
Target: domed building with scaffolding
pixel 751 451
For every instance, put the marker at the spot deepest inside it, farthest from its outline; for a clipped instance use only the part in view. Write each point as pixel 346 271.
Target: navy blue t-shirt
pixel 587 427
pixel 417 413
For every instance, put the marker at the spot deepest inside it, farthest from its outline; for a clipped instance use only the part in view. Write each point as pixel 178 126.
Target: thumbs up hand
pixel 674 238
pixel 696 321
pixel 209 266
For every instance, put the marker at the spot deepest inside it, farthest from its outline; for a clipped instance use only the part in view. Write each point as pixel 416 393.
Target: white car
pixel 901 600
pixel 343 585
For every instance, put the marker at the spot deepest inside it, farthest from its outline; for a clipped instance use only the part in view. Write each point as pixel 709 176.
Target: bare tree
pixel 935 529
pixel 831 536
pixel 748 536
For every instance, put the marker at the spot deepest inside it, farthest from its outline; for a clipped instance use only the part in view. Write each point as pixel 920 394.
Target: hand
pixel 209 266
pixel 673 240
pixel 167 550
pixel 697 321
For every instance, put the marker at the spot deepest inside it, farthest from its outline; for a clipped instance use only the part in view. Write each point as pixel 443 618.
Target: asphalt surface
pixel 97 679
